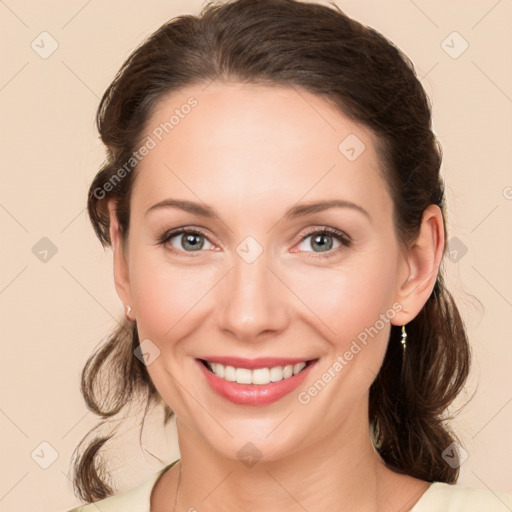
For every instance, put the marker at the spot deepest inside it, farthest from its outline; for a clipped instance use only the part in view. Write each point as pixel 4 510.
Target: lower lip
pixel 254 394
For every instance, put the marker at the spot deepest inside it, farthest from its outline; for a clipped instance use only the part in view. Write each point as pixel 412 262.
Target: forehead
pixel 250 144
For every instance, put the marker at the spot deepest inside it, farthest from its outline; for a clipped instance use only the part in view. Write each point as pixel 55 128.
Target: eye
pixel 187 240
pixel 323 240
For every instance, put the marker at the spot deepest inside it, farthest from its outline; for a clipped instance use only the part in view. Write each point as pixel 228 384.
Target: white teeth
pixel 260 376
pixel 229 373
pixel 298 368
pixel 218 369
pixel 243 376
pixel 276 374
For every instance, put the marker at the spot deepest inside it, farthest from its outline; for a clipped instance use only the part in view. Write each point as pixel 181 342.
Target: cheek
pixel 346 300
pixel 167 296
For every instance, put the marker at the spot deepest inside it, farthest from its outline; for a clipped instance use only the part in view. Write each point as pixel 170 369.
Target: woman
pixel 273 201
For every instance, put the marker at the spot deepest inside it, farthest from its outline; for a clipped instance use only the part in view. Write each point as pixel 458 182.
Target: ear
pixel 422 261
pixel 121 274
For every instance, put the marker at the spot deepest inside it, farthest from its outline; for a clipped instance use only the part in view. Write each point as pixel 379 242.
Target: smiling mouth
pixel 256 376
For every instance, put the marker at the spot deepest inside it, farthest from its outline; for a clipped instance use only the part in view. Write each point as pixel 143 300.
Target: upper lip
pixel 260 362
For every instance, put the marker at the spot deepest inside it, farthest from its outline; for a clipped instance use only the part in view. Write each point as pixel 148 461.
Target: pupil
pixel 189 239
pixel 323 246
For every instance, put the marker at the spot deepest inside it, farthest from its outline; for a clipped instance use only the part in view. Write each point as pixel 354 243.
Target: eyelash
pixel 343 238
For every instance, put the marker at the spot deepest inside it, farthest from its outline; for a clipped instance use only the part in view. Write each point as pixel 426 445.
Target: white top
pixel 439 497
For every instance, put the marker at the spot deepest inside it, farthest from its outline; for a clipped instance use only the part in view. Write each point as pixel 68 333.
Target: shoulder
pixel 442 497
pixel 135 500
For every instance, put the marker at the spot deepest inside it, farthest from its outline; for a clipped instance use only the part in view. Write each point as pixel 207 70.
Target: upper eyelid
pixel 167 235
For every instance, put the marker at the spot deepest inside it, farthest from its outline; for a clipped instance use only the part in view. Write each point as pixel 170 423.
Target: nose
pixel 252 302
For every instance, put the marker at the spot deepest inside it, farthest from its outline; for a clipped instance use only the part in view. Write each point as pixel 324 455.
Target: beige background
pixel 55 312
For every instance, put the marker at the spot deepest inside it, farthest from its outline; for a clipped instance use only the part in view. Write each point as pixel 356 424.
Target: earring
pixel 404 338
pixel 128 309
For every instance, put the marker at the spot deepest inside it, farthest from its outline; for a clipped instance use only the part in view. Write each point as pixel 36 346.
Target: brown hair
pixel 323 51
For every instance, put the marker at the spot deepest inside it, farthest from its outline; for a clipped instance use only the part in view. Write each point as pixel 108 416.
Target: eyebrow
pixel 299 210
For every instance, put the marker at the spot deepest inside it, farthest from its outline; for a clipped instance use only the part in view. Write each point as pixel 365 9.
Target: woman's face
pixel 257 281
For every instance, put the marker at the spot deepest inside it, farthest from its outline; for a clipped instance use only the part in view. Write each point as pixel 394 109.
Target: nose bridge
pixel 253 299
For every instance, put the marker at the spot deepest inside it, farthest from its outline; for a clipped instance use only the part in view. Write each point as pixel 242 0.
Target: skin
pixel 252 152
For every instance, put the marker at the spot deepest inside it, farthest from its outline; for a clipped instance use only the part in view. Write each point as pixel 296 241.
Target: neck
pixel 341 472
